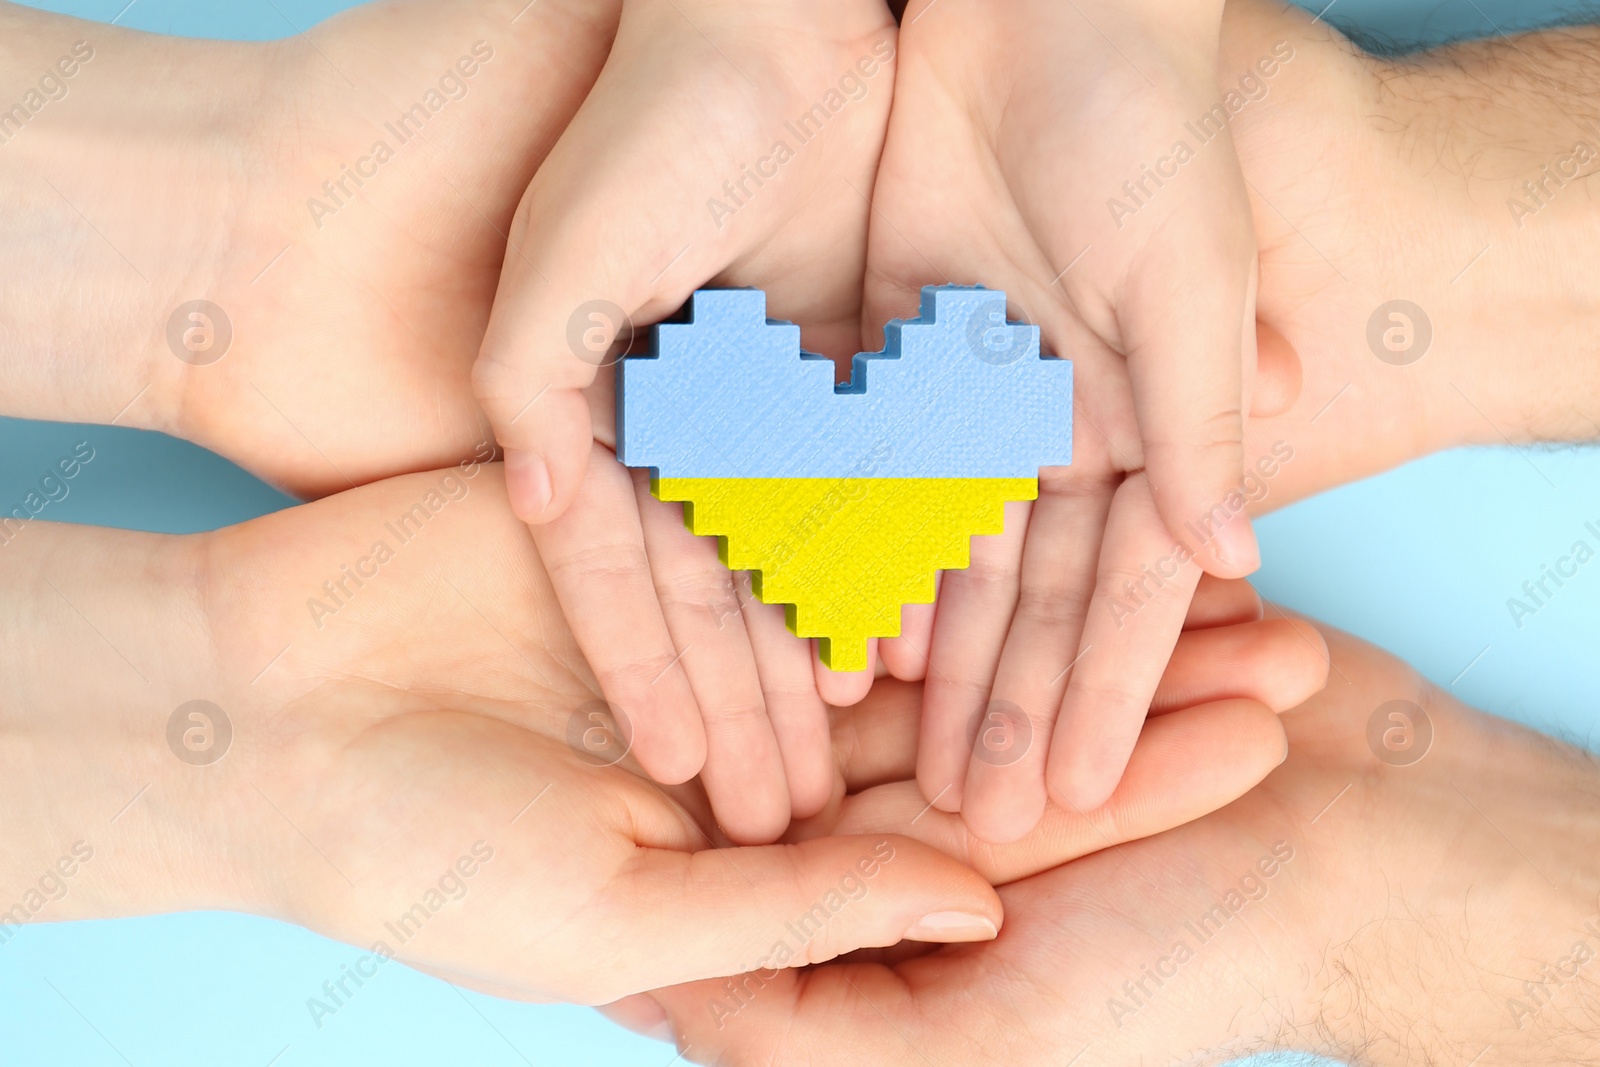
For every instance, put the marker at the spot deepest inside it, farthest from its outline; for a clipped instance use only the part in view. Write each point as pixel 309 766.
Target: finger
pixel 1222 602
pixel 561 306
pixel 1005 787
pixel 969 631
pixel 1278 662
pixel 1142 590
pixel 780 906
pixel 906 656
pixel 743 772
pixel 797 712
pixel 596 560
pixel 1185 765
pixel 1182 312
pixel 843 688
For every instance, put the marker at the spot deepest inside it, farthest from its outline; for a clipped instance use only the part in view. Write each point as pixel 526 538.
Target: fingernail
pixel 948 926
pixel 1236 546
pixel 528 482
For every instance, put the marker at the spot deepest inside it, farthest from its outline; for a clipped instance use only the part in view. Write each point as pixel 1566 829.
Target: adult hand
pixel 304 289
pixel 400 746
pixel 1376 899
pixel 723 143
pixel 397 744
pixel 1402 254
pixel 338 199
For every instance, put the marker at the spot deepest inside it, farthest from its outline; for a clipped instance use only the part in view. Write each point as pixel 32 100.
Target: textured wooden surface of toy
pixel 844 501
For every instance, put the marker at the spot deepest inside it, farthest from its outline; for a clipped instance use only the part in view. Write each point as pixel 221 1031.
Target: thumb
pixel 616 228
pixel 648 195
pixel 587 256
pixel 720 912
pixel 1188 318
pixel 549 333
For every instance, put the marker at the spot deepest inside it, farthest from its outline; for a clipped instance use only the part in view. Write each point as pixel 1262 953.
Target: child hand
pixel 1035 148
pixel 723 143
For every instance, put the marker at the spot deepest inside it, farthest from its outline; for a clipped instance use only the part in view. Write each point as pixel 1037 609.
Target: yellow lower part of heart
pixel 843 555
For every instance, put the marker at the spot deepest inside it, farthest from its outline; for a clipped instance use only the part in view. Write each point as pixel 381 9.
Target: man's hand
pixel 1417 881
pixel 1372 182
pixel 1432 301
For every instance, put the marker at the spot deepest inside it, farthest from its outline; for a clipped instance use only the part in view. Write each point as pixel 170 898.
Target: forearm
pixel 1510 131
pixel 103 639
pixel 121 177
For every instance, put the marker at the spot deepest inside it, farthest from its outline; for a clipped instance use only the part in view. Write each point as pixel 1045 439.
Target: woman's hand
pixel 338 199
pixel 397 743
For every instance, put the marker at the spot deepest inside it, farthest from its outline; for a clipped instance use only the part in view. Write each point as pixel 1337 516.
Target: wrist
pixel 1424 318
pixel 129 176
pixel 104 782
pixel 1514 252
pixel 1459 914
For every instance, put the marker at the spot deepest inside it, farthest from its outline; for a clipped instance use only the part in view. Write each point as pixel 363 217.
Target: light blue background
pixel 1420 560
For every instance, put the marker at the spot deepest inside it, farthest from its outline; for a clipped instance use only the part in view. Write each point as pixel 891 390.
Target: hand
pixel 344 317
pixel 348 240
pixel 1380 180
pixel 1015 127
pixel 1349 214
pixel 726 143
pixel 1356 905
pixel 403 749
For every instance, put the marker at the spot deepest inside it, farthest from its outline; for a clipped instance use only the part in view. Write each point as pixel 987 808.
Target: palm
pixel 430 726
pixel 1076 933
pixel 441 710
pixel 800 236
